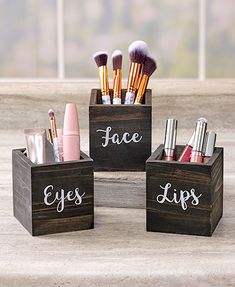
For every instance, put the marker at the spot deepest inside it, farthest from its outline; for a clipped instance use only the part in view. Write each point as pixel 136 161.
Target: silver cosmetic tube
pixel 36 145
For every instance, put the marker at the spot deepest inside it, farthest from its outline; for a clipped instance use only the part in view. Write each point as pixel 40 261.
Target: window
pixel 56 38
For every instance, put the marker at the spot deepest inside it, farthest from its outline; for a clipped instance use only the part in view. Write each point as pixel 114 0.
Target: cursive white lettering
pixel 61 196
pixel 183 196
pixel 116 139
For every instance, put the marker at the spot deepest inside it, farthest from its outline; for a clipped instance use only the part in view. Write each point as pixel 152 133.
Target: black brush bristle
pixel 101 58
pixel 138 51
pixel 149 66
pixel 117 59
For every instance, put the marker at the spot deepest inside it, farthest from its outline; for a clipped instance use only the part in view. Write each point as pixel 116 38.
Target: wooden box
pixel 184 198
pixel 53 198
pixel 120 135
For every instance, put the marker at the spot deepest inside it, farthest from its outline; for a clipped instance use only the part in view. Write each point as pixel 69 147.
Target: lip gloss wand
pixel 186 153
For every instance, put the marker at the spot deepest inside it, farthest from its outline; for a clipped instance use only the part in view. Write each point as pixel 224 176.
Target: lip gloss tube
pixel 170 139
pixel 209 146
pixel 186 153
pixel 200 132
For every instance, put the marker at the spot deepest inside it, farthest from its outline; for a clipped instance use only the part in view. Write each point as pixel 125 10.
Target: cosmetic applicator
pixel 186 153
pixel 209 147
pixel 117 76
pixel 170 139
pixel 51 115
pixel 200 131
pixel 71 133
pixel 138 51
pixel 149 67
pixel 101 61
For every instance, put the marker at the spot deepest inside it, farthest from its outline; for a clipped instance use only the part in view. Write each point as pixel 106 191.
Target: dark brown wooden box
pixel 119 120
pixel 35 188
pixel 199 216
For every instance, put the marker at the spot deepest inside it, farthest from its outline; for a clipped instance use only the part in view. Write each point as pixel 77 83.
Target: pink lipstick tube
pixel 170 139
pixel 186 153
pixel 209 146
pixel 200 131
pixel 71 134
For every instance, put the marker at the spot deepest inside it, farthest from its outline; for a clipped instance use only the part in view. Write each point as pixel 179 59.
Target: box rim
pixel 19 151
pixel 93 100
pixel 159 149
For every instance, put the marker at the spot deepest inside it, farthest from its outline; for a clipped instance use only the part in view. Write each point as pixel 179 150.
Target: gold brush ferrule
pixel 133 77
pixel 53 127
pixel 104 82
pixel 142 88
pixel 114 76
pixel 117 84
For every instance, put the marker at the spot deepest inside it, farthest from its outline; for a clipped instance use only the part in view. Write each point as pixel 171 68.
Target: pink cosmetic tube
pixel 71 134
pixel 186 153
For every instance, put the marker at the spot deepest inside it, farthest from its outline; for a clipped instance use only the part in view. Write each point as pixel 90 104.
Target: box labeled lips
pixel 120 135
pixel 185 198
pixel 53 198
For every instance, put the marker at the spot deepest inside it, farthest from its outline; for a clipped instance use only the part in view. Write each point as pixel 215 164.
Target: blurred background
pixel 56 38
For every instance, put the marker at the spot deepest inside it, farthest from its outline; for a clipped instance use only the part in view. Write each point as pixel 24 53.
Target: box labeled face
pixel 184 198
pixel 120 135
pixel 53 198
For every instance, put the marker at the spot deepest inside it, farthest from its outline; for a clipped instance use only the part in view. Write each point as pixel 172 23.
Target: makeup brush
pixel 117 76
pixel 149 67
pixel 138 51
pixel 51 115
pixel 101 61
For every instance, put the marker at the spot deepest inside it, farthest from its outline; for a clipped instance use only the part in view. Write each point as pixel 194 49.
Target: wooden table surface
pixel 118 252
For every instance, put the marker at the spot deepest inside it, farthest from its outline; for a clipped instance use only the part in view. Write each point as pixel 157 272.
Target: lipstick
pixel 186 153
pixel 170 139
pixel 71 133
pixel 209 146
pixel 200 131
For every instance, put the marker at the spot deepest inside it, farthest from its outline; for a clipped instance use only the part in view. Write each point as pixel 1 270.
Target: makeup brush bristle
pixel 117 59
pixel 51 113
pixel 138 51
pixel 101 58
pixel 149 66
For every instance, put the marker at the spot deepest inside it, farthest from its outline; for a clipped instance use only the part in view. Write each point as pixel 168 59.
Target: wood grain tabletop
pixel 118 252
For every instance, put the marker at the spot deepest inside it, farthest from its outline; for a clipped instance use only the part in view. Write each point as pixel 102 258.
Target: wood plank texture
pixel 183 197
pixel 107 127
pixel 118 252
pixel 70 188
